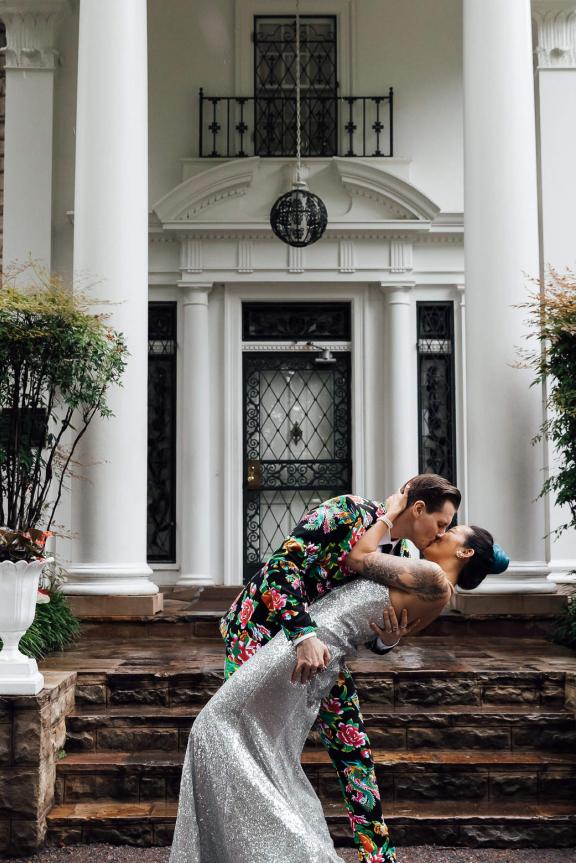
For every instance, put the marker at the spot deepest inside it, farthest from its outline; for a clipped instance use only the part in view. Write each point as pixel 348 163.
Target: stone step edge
pixel 498 759
pixel 111 810
pixel 508 713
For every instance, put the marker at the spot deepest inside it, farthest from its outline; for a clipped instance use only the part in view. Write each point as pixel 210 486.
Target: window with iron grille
pixel 296 321
pixel 275 85
pixel 436 389
pixel 162 433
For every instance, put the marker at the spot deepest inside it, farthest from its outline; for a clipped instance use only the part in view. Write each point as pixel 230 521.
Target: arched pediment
pixel 362 180
pixel 201 191
pixel 238 194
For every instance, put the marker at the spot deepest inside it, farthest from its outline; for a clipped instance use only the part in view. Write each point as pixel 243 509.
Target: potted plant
pixel 57 361
pixel 22 559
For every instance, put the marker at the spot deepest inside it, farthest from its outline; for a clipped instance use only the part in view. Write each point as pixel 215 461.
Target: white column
pixel 196 479
pixel 555 30
pixel 111 253
pixel 399 385
pixel 31 59
pixel 501 249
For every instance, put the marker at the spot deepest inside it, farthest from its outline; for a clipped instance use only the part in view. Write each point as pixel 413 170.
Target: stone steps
pixel 403 776
pixel 474 741
pixel 513 727
pixel 194 683
pixel 468 825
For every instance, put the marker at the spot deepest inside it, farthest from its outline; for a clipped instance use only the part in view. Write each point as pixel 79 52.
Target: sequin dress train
pixel 244 796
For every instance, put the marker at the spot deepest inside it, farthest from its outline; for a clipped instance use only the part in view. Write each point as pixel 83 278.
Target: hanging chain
pixel 298 128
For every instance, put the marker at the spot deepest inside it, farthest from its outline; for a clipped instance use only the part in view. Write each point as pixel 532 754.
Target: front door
pixel 297 435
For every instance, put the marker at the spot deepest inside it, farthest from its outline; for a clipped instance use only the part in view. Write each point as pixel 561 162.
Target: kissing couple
pixel 244 796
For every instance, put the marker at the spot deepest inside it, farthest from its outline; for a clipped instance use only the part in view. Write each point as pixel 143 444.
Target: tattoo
pixel 429 585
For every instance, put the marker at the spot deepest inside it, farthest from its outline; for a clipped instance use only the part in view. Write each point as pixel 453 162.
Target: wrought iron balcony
pixel 236 126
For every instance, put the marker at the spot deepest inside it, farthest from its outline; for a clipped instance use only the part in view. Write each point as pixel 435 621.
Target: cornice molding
pixel 197 193
pixel 183 231
pixel 31 33
pixel 555 30
pixel 404 199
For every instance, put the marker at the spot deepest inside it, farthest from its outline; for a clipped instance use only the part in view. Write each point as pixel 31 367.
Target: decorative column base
pixel 195 580
pixel 519 578
pixel 563 576
pixel 109 580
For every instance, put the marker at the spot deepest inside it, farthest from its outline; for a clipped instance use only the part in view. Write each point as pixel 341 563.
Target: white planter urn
pixel 19 674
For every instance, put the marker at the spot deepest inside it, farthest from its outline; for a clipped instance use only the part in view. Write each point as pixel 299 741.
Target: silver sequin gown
pixel 244 796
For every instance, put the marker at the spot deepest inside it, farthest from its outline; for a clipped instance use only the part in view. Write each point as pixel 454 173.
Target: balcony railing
pixel 236 126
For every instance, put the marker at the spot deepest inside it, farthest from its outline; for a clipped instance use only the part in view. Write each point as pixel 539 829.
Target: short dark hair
pixel 481 562
pixel 434 490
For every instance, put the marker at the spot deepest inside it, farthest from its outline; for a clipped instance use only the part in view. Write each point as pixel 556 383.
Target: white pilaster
pixel 31 58
pixel 555 54
pixel 399 386
pixel 111 253
pixel 501 248
pixel 195 556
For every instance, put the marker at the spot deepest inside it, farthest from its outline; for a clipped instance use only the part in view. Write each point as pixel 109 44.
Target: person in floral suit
pixel 309 563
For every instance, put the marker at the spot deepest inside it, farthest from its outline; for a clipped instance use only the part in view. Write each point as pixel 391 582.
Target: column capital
pixel 397 292
pixel 555 31
pixel 31 32
pixel 195 293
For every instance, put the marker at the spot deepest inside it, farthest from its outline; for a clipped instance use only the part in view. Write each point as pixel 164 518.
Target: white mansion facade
pixel 145 144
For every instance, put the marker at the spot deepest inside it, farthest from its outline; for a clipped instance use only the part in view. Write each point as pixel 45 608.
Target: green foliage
pixel 552 314
pixel 57 362
pixel 53 628
pixel 565 632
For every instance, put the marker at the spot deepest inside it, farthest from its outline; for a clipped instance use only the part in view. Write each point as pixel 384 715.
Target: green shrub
pixel 54 627
pixel 565 632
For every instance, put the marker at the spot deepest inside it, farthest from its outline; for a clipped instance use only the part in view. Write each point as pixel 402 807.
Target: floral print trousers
pixel 344 737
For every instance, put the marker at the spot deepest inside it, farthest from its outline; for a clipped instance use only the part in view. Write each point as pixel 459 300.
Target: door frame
pixel 234 296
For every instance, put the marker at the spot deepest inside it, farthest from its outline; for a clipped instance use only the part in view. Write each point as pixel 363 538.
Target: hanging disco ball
pixel 299 218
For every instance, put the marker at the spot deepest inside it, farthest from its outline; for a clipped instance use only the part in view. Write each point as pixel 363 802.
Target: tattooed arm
pixel 422 578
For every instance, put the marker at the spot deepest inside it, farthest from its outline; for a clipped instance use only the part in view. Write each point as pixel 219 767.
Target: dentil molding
pixel 31 32
pixel 555 31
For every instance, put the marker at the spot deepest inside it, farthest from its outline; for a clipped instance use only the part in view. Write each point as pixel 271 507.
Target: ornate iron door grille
pixel 162 433
pixel 296 443
pixel 275 85
pixel 436 389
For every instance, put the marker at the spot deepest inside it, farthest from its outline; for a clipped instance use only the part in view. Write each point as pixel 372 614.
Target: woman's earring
pixel 460 554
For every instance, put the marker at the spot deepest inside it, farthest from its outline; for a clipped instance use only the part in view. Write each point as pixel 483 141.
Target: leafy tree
pixel 57 361
pixel 552 314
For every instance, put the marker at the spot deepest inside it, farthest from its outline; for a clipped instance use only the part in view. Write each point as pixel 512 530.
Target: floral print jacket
pixel 309 563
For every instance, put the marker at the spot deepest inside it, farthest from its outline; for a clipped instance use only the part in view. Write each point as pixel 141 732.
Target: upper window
pixel 275 85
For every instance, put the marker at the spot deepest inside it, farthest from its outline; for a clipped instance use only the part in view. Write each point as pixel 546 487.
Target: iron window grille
pixel 161 519
pixel 436 389
pixel 265 124
pixel 295 321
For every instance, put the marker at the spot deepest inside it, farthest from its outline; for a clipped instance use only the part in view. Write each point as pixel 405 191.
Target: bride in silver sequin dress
pixel 244 796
